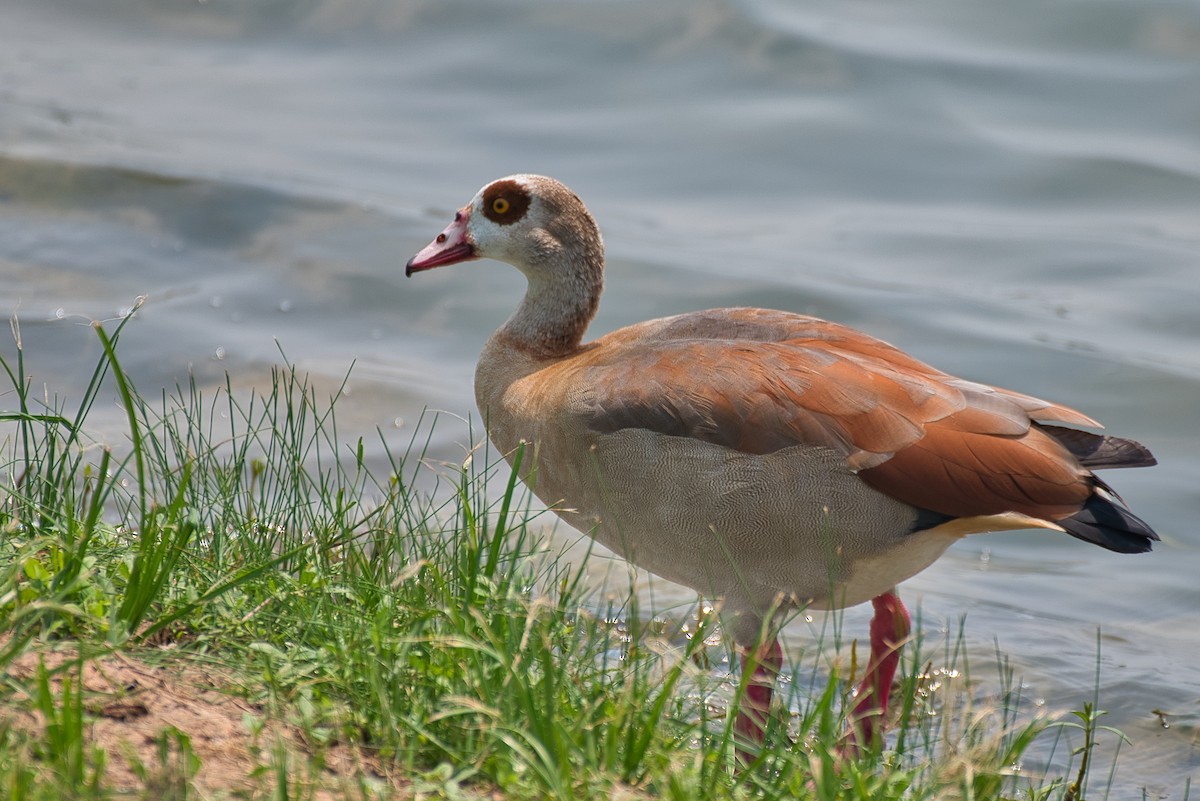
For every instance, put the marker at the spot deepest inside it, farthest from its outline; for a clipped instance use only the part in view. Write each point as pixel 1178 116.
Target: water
pixel 1008 190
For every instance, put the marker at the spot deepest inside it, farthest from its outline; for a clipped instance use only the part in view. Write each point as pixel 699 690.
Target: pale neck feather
pixel 565 271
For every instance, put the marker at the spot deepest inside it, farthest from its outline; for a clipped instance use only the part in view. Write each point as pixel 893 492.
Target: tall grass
pixel 372 600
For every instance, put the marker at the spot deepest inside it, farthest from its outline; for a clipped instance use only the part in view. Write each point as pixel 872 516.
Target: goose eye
pixel 505 202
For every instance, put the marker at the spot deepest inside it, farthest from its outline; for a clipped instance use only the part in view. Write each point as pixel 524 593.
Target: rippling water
pixel 1008 190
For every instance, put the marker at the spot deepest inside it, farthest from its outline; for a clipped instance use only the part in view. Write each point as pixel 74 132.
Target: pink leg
pixel 889 629
pixel 751 722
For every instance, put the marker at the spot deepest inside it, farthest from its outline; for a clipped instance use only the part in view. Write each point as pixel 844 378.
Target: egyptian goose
pixel 766 458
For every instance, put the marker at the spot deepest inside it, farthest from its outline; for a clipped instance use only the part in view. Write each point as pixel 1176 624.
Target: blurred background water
pixel 1010 191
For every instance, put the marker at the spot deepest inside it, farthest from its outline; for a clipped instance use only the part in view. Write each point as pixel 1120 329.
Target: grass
pixel 334 629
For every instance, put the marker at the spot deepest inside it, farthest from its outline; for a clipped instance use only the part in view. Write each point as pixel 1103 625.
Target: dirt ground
pixel 133 708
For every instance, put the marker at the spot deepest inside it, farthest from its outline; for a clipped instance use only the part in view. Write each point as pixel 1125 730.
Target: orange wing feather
pixel 758 381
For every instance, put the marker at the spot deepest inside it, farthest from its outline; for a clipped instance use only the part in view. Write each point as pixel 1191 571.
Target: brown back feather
pixel 758 381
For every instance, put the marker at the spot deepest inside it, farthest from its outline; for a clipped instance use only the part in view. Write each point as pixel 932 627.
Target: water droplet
pixel 219 354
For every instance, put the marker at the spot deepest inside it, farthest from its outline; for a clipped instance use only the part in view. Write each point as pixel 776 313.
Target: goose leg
pixel 751 723
pixel 890 627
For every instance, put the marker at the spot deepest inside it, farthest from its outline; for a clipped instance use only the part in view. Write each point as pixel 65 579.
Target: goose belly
pixel 795 525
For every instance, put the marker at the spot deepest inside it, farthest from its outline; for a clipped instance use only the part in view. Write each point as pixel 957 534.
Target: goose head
pixel 543 229
pixel 528 221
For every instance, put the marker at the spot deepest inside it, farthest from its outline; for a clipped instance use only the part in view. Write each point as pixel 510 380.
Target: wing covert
pixel 758 382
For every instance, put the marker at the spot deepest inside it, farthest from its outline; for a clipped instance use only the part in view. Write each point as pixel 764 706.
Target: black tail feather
pixel 1098 451
pixel 1106 522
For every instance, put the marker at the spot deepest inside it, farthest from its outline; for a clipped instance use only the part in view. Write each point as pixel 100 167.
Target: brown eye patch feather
pixel 513 202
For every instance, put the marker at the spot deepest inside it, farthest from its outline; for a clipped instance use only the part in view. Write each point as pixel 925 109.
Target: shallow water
pixel 1008 190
